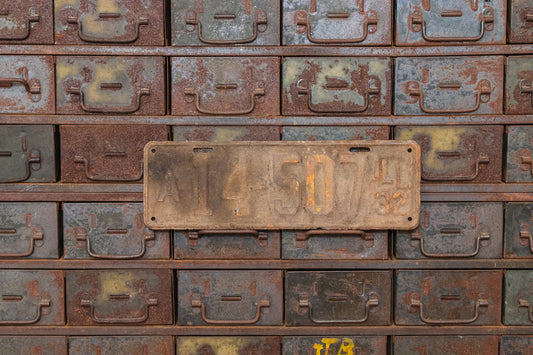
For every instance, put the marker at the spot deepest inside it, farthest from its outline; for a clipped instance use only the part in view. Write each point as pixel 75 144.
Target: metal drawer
pixel 439 344
pixel 518 230
pixel 34 345
pixel 519 84
pixel 520 28
pixel 27 22
pixel 325 133
pixel 242 345
pixel 518 305
pixel 305 345
pixel 225 133
pixel 516 345
pixel 519 154
pixel 131 345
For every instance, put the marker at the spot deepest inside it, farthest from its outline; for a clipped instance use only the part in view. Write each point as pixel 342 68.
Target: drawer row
pixel 114 153
pixel 251 86
pixel 266 297
pixel 263 22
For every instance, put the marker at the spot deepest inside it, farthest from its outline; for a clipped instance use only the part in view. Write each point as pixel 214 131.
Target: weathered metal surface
pixel 516 345
pixel 340 133
pixel 31 298
pixel 449 85
pixel 520 28
pixel 27 84
pixel 306 345
pixel 225 86
pixel 519 160
pixel 518 230
pixel 29 230
pixel 110 85
pixel 456 345
pixel 131 345
pixel 448 297
pixel 336 86
pixel 328 298
pixel 465 154
pixel 225 133
pixel 450 22
pixel 227 244
pixel 26 22
pixel 260 185
pixel 230 297
pixel 34 345
pixel 227 23
pixel 122 297
pixel 519 84
pixel 215 345
pixel 334 244
pixel 454 230
pixel 518 304
pixel 106 153
pixel 27 153
pixel 338 22
pixel 116 22
pixel 111 231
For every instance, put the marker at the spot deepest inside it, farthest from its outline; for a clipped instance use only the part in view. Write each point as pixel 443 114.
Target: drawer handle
pixel 78 159
pixel 133 107
pixel 23 34
pixel 418 304
pixel 260 237
pixel 81 235
pixel 369 23
pixel 479 238
pixel 42 303
pixel 36 234
pixel 419 24
pixel 303 236
pixel 32 86
pixel 525 234
pixel 152 302
pixel 482 159
pixel 373 88
pixel 260 19
pixel 33 157
pixel 526 88
pixel 142 21
pixel 372 301
pixel 526 159
pixel 196 302
pixel 199 108
pixel 526 304
pixel 482 95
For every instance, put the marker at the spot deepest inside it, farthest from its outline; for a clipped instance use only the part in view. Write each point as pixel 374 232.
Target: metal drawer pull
pixel 529 17
pixel 483 159
pixel 372 301
pixel 33 157
pixel 133 107
pixel 32 86
pixel 199 108
pixel 525 234
pixel 260 237
pixel 373 88
pixel 196 302
pixel 112 39
pixel 526 88
pixel 303 236
pixel 479 238
pixel 152 302
pixel 525 303
pixel 10 298
pixel 36 234
pixel 81 235
pixel 23 34
pixel 78 159
pixel 260 19
pixel 479 303
pixel 526 159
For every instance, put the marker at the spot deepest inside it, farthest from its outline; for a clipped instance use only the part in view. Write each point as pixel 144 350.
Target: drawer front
pixel 27 84
pixel 29 230
pixel 332 298
pixel 520 28
pixel 27 22
pixel 519 154
pixel 519 230
pixel 336 86
pixel 110 85
pixel 458 153
pixel 334 244
pixel 119 297
pixel 450 22
pixel 519 84
pixel 225 86
pixel 457 345
pixel 225 133
pixel 448 297
pixel 449 85
pixel 454 230
pixel 34 345
pixel 111 231
pixel 27 154
pixel 106 153
pixel 516 345
pixel 115 22
pixel 518 305
pixel 250 297
pixel 212 345
pixel 31 298
pixel 337 22
pixel 227 23
pixel 131 345
pixel 335 133
pixel 305 345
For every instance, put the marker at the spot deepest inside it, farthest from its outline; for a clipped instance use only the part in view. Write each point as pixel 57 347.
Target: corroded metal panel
pixel 34 345
pixel 26 22
pixel 519 84
pixel 454 344
pixel 519 166
pixel 214 345
pixel 225 133
pixel 282 185
pixel 518 304
pixel 516 345
pixel 130 345
pixel 336 133
pixel 519 230
pixel 520 29
pixel 306 345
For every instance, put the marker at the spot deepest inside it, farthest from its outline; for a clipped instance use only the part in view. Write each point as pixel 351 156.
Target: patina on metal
pixel 345 344
pixel 236 345
pixel 520 28
pixel 516 345
pixel 34 345
pixel 519 84
pixel 519 230
pixel 282 185
pixel 518 304
pixel 131 345
pixel 337 133
pixel 225 133
pixel 26 22
pixel 519 157
pixel 451 344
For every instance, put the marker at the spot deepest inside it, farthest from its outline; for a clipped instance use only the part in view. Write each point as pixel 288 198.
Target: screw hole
pixel 153 218
pixel 409 150
pixel 153 150
pixel 408 218
pixel 359 149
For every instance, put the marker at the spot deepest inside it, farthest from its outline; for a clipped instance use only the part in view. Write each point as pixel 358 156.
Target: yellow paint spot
pixel 227 134
pixel 59 4
pixel 219 345
pixel 117 283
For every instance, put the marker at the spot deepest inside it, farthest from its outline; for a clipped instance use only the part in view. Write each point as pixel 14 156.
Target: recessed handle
pixel 81 160
pixel 303 236
pixel 128 38
pixel 250 107
pixel 371 301
pixel 477 246
pixel 416 303
pixel 82 236
pixel 36 234
pixel 152 302
pixel 25 30
pixel 260 236
pixel 482 159
pixel 131 108
pixel 42 303
pixel 196 302
pixel 32 157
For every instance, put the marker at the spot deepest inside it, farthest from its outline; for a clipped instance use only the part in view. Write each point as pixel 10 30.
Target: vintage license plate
pixel 282 185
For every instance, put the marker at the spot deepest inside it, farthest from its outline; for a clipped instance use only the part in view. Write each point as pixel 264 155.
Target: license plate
pixel 282 185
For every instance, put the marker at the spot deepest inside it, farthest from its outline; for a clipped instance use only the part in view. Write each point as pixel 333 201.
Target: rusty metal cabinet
pixel 459 345
pixel 48 345
pixel 247 345
pixel 134 345
pixel 27 22
pixel 303 345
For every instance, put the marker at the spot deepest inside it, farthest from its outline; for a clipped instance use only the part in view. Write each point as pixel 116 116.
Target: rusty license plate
pixel 282 185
